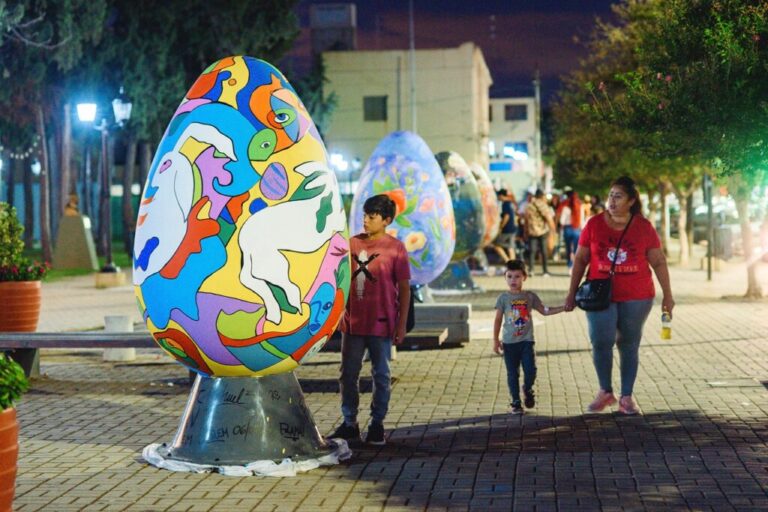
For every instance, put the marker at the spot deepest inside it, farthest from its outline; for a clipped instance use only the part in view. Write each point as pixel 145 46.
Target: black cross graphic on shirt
pixel 363 267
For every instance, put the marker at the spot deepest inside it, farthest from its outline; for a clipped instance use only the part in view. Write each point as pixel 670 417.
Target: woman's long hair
pixel 627 184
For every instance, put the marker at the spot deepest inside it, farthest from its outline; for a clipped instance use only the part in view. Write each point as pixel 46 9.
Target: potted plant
pixel 19 277
pixel 12 384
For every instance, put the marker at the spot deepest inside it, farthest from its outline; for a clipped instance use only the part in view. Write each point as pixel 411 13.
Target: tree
pixel 147 48
pixel 311 90
pixel 43 41
pixel 702 82
pixel 687 83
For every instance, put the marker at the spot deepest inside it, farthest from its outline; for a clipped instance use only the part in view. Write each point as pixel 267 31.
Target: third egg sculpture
pixel 490 203
pixel 467 203
pixel 240 264
pixel 403 167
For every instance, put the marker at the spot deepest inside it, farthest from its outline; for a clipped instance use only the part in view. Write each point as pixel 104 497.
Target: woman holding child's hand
pixel 632 290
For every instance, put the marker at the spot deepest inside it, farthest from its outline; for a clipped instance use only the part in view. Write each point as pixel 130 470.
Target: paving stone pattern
pixel 701 443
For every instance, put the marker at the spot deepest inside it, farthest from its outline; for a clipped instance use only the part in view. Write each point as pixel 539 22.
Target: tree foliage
pixel 672 89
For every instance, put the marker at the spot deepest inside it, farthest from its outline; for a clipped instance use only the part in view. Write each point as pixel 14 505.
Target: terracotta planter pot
pixel 19 306
pixel 9 453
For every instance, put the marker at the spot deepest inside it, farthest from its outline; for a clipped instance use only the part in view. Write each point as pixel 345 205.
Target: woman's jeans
pixel 622 324
pixel 516 354
pixel 571 239
pixel 352 350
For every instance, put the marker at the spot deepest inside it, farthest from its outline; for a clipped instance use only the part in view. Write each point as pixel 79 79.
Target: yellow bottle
pixel 666 326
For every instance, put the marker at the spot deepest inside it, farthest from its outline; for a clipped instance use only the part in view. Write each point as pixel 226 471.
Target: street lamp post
pixel 86 112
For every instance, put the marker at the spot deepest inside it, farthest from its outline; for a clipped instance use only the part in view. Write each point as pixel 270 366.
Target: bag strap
pixel 616 254
pixel 621 238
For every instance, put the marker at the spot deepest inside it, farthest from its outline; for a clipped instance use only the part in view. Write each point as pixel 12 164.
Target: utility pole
pixel 537 129
pixel 412 54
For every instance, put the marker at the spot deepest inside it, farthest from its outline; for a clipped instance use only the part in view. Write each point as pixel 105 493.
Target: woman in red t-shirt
pixel 632 293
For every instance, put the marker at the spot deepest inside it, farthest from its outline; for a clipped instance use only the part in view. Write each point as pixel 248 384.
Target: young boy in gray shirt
pixel 513 312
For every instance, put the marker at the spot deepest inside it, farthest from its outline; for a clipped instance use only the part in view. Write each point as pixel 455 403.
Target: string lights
pixel 22 155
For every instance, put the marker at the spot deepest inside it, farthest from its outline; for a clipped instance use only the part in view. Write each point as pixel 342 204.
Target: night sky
pixel 516 36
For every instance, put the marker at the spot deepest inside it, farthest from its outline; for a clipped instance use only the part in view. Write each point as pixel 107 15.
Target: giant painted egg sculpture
pixel 403 167
pixel 467 204
pixel 240 263
pixel 490 203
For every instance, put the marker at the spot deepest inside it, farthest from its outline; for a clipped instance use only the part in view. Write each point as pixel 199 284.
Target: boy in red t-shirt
pixel 375 317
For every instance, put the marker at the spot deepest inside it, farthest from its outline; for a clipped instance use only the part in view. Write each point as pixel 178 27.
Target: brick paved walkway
pixel 702 443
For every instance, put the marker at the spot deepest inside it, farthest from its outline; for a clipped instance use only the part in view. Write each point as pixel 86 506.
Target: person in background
pixel 572 219
pixel 538 223
pixel 504 245
pixel 632 292
pixel 375 317
pixel 555 241
pixel 587 206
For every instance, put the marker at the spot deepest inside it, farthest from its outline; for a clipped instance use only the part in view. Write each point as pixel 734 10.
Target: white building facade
pixel 514 145
pixel 449 105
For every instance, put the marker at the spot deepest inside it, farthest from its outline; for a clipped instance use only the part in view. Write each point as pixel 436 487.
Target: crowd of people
pixel 542 227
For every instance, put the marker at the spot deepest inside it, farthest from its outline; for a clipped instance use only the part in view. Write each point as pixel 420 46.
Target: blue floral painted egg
pixel 403 167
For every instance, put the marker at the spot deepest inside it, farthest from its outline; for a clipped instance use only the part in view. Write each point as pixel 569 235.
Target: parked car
pixel 727 229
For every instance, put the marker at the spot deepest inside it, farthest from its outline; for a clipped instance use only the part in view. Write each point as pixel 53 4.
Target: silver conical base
pixel 238 420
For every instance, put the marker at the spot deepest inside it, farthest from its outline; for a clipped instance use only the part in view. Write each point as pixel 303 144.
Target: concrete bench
pixel 451 316
pixel 417 338
pixel 25 346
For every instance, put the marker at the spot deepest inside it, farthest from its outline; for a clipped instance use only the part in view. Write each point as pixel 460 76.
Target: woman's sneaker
pixel 602 400
pixel 628 406
pixel 517 407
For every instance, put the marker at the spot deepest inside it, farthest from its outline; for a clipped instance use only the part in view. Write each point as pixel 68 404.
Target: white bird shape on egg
pixel 163 215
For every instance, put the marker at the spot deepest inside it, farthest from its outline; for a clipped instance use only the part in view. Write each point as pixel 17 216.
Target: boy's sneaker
pixel 602 400
pixel 530 398
pixel 375 434
pixel 628 406
pixel 346 431
pixel 517 407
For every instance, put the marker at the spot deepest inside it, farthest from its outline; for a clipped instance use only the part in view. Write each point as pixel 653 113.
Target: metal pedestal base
pixel 456 279
pixel 422 294
pixel 238 421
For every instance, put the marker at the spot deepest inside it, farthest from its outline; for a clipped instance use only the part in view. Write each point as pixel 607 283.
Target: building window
pixel 515 112
pixel 516 150
pixel 490 113
pixel 374 108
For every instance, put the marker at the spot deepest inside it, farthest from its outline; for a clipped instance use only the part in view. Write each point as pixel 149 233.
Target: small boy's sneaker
pixel 346 431
pixel 530 398
pixel 375 434
pixel 517 407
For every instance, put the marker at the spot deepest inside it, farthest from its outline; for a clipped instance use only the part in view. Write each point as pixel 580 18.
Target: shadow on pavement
pixel 675 460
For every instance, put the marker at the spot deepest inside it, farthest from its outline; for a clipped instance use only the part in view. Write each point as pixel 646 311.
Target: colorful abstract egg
pixel 403 167
pixel 240 263
pixel 467 203
pixel 490 203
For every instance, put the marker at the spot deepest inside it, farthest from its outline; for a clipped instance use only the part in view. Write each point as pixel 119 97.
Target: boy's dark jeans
pixel 516 354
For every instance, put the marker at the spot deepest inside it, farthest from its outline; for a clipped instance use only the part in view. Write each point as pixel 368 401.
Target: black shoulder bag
pixel 595 294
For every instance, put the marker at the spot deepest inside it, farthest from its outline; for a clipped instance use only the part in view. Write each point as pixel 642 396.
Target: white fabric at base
pixel 286 467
